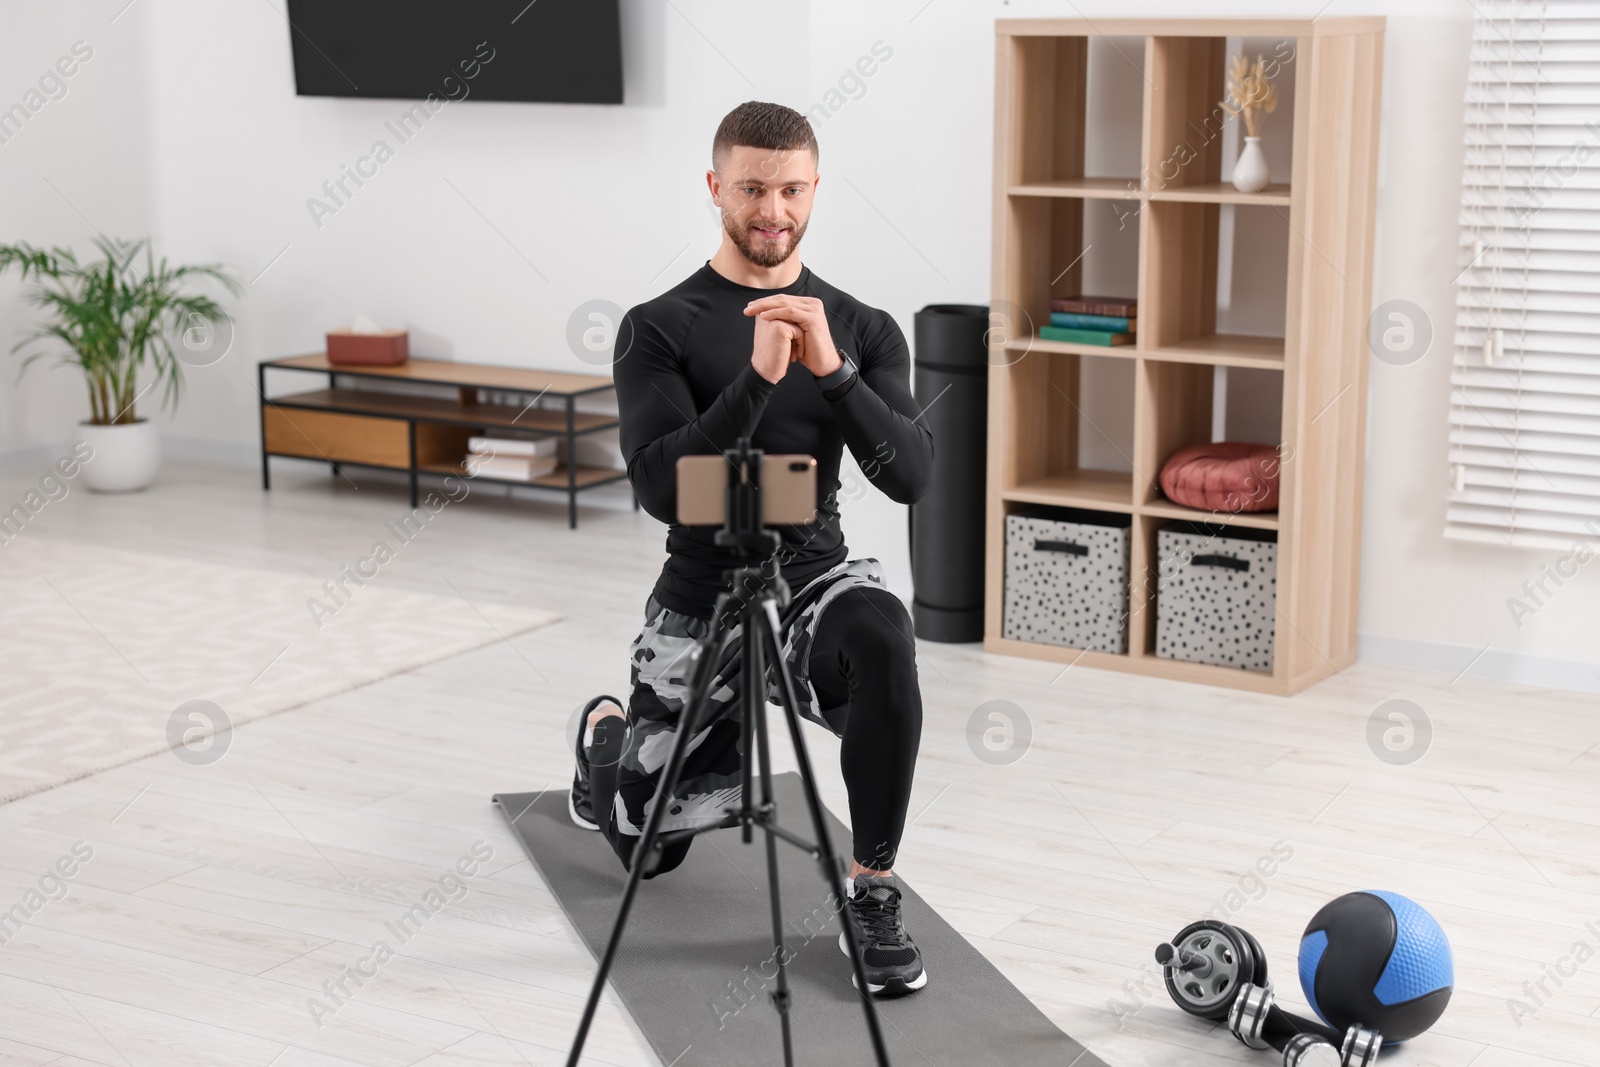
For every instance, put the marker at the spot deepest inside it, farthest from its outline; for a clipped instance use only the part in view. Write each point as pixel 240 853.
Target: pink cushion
pixel 1226 476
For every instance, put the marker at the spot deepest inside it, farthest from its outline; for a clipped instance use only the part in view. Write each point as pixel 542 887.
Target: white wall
pixel 1417 586
pixel 79 163
pixel 185 125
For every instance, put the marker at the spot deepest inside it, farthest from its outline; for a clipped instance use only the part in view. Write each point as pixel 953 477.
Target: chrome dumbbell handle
pixel 1256 1020
pixel 1308 1050
pixel 1247 1018
pixel 1360 1048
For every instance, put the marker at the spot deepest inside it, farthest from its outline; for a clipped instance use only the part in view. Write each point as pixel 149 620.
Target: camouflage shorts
pixel 663 657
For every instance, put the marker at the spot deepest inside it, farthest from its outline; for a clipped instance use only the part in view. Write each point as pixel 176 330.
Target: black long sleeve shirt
pixel 685 386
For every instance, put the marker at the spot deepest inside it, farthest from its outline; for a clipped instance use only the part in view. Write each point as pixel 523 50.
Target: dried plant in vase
pixel 1250 96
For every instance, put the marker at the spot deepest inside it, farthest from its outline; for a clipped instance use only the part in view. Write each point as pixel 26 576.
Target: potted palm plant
pixel 112 319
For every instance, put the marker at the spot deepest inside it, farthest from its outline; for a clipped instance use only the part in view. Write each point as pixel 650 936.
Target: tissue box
pixel 387 349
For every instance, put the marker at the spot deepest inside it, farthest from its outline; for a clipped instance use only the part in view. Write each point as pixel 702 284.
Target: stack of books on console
pixel 511 458
pixel 1092 320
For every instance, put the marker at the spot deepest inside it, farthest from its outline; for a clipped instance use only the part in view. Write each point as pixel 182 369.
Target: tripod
pixel 751 603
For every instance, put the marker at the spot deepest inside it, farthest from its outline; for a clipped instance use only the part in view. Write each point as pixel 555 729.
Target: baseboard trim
pixel 212 450
pixel 1501 665
pixel 40 456
pixel 178 446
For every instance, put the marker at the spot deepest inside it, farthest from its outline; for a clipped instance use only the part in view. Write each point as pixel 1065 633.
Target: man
pixel 754 344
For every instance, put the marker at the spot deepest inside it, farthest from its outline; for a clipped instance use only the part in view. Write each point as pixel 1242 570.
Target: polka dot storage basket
pixel 1216 595
pixel 1066 578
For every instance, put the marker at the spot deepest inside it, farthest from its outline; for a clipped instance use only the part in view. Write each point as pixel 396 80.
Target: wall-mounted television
pixel 548 51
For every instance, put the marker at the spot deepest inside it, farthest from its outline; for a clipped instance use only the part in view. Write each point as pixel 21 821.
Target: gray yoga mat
pixel 696 933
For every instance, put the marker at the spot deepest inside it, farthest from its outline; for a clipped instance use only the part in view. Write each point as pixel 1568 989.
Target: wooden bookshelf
pixel 1042 110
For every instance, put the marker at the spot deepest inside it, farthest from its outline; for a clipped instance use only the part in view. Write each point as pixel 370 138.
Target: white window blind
pixel 1525 384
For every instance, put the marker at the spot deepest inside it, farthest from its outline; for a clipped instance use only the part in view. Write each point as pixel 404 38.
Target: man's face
pixel 765 195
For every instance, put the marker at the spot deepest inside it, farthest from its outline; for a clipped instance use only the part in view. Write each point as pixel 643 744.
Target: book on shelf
pixel 514 446
pixel 509 468
pixel 1108 323
pixel 1117 306
pixel 1102 338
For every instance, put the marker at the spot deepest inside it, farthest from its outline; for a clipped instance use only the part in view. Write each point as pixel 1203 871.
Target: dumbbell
pixel 1257 1021
pixel 1217 971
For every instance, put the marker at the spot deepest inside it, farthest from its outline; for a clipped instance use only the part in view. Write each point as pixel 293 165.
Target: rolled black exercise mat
pixel 951 383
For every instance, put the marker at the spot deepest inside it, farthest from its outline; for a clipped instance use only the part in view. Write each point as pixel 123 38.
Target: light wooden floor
pixel 220 898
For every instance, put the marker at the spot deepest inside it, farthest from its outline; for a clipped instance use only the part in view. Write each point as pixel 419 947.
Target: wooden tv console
pixel 349 423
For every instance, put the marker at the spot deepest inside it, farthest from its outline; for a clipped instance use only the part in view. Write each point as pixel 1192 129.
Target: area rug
pixel 110 655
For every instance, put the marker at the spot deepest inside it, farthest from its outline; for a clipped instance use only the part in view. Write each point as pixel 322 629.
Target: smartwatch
pixel 840 376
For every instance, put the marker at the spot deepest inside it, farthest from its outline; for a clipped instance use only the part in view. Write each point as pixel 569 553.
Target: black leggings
pixel 864 670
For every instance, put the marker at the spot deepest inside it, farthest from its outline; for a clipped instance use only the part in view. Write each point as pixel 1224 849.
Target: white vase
pixel 124 457
pixel 1250 172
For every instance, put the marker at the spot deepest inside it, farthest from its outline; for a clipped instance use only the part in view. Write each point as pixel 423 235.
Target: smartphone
pixel 788 490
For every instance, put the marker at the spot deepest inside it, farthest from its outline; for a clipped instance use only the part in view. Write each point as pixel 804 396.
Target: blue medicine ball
pixel 1378 960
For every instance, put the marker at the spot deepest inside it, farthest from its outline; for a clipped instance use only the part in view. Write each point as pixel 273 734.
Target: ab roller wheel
pixel 1369 962
pixel 1205 965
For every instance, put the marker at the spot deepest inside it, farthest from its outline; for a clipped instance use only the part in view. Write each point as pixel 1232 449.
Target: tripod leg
pixel 755 711
pixel 826 857
pixel 699 693
pixel 753 696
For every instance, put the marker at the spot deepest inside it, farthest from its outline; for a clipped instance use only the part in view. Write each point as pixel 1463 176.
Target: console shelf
pixel 357 422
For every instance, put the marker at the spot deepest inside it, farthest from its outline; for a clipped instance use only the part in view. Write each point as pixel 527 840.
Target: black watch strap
pixel 840 376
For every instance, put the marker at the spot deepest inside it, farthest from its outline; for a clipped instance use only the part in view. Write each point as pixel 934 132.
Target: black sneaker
pixel 578 803
pixel 890 958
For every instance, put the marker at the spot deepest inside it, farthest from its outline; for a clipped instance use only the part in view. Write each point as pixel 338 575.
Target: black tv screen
pixel 553 51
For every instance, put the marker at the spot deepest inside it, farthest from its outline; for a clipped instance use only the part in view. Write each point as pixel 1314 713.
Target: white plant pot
pixel 125 456
pixel 1250 172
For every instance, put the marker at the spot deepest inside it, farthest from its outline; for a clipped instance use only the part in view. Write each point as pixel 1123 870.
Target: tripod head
pixel 740 491
pixel 742 528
